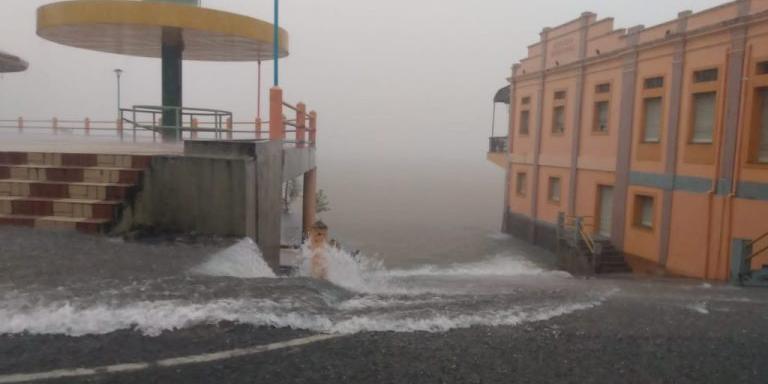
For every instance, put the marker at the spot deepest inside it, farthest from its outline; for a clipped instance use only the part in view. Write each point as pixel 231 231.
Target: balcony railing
pixel 498 145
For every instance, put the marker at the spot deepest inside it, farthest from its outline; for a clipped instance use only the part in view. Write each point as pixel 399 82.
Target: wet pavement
pixel 70 301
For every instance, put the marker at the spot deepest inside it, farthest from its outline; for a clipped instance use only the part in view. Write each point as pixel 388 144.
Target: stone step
pixel 93 226
pixel 70 174
pixel 75 160
pixel 62 190
pixel 71 208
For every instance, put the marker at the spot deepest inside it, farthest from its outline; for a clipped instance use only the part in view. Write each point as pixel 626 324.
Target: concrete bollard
pixel 318 245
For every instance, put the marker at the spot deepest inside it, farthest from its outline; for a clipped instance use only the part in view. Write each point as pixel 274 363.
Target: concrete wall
pixel 227 188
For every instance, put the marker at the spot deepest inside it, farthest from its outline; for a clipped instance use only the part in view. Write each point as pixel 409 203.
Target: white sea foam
pixel 152 318
pixel 365 275
pixel 699 307
pixel 387 300
pixel 499 265
pixel 242 260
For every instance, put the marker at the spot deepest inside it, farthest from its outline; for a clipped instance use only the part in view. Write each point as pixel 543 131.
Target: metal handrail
pixel 752 243
pixel 587 239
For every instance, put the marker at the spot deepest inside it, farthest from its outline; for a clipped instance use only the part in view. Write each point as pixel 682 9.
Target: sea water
pixel 236 285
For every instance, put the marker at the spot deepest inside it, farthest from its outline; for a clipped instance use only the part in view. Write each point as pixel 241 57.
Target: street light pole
pixel 118 73
pixel 276 42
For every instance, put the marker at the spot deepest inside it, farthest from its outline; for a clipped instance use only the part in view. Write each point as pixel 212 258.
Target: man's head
pixel 318 234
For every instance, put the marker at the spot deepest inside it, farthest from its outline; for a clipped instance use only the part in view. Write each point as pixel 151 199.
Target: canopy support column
pixel 172 50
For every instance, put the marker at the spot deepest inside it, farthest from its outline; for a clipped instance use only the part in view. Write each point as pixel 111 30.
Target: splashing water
pixel 236 285
pixel 242 260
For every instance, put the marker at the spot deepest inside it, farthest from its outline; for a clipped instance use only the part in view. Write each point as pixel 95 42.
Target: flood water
pixel 78 285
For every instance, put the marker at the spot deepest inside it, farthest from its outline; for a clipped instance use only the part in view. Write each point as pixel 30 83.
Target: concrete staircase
pixel 610 259
pixel 83 192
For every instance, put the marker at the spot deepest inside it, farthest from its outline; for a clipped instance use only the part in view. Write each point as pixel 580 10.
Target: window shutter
pixel 704 105
pixel 763 153
pixel 652 131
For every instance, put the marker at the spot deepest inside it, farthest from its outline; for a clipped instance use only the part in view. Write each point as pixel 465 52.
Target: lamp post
pixel 276 42
pixel 118 74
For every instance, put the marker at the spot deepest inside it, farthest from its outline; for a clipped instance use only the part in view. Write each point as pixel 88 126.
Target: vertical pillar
pixel 537 141
pixel 87 126
pixel 624 156
pixel 301 125
pixel 258 128
pixel 310 200
pixel 55 125
pixel 313 129
pixel 21 124
pixel 172 50
pixel 673 137
pixel 510 146
pixel 276 125
pixel 229 128
pixel 586 19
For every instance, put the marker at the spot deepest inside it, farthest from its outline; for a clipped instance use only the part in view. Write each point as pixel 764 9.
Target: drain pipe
pixel 716 177
pixel 737 166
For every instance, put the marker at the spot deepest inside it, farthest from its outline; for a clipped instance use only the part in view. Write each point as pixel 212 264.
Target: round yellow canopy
pixel 135 28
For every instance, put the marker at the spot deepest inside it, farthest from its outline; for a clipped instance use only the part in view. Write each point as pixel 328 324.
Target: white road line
pixel 174 362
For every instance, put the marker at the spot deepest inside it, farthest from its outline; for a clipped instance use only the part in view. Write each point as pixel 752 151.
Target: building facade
pixel 657 135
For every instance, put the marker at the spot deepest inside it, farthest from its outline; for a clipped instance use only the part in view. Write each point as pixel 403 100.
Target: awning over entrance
pixel 502 96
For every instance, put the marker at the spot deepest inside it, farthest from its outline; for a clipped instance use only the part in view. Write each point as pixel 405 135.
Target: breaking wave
pixel 363 296
pixel 154 318
pixel 242 260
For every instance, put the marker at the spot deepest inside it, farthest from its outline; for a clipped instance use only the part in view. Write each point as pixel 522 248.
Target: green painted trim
pixel 746 189
pixel 723 187
pixel 651 180
pixel 752 191
pixel 671 182
pixel 692 184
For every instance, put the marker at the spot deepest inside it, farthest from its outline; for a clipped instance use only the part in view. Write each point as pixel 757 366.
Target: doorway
pixel 605 210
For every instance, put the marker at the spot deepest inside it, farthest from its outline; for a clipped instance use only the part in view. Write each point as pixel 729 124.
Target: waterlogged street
pixel 77 302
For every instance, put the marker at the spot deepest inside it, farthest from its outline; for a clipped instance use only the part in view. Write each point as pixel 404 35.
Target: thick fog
pixel 403 89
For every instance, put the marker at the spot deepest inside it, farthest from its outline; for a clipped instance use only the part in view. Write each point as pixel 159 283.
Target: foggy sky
pixel 403 89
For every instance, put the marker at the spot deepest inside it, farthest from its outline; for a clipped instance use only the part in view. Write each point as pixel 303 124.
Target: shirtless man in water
pixel 318 236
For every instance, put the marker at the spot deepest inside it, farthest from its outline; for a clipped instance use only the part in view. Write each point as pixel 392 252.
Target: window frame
pixel 756 81
pixel 692 124
pixel 527 113
pixel 555 200
pixel 596 117
pixel 704 87
pixel 559 104
pixel 521 175
pixel 602 96
pixel 644 120
pixel 639 209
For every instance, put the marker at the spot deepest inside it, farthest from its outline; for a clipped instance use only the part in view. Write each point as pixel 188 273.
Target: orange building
pixel 656 139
